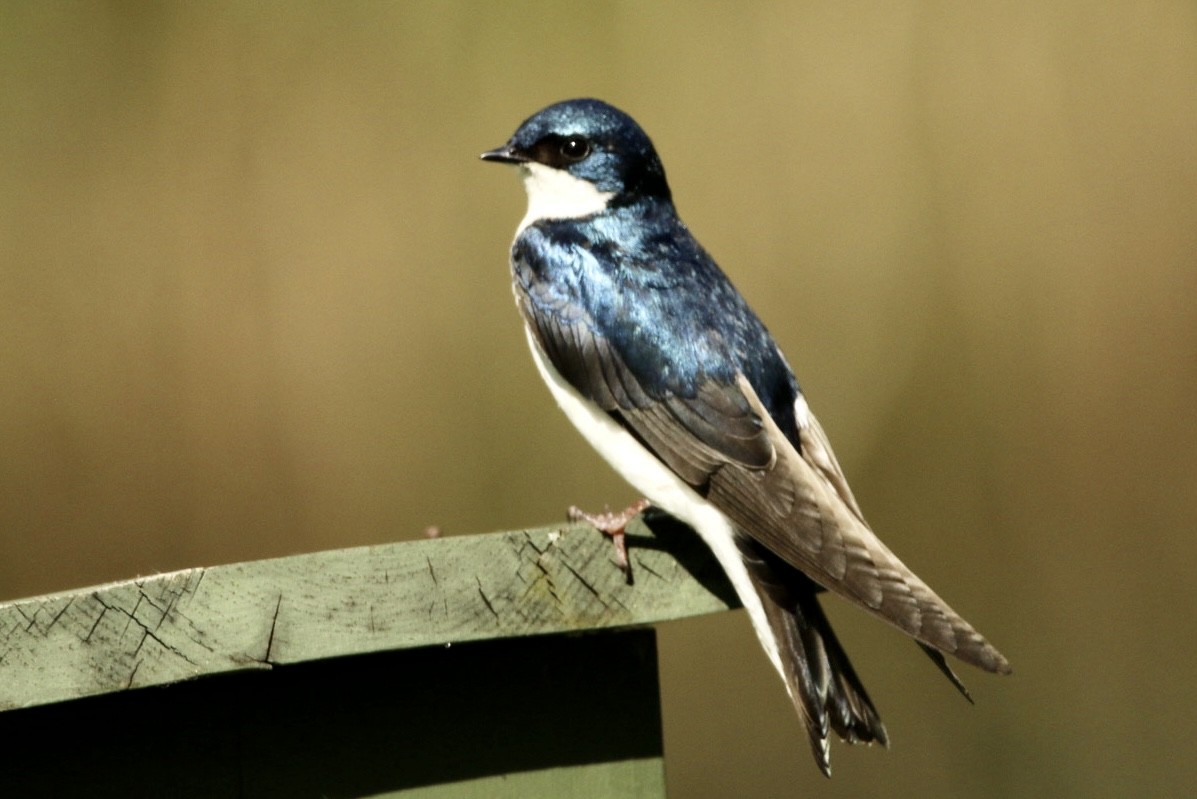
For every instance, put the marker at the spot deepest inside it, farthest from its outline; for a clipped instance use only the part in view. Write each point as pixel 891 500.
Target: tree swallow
pixel 660 363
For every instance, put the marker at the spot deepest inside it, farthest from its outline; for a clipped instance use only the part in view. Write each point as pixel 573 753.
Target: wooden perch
pixel 185 624
pixel 514 717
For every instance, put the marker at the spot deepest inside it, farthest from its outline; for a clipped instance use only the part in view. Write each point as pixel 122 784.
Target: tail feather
pixel 821 681
pixel 942 664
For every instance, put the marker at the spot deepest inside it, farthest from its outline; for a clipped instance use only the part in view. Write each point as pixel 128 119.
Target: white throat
pixel 556 194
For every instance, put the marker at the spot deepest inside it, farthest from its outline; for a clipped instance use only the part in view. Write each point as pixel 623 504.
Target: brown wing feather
pixel 799 512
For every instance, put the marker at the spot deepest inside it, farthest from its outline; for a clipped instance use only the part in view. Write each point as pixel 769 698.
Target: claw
pixel 612 525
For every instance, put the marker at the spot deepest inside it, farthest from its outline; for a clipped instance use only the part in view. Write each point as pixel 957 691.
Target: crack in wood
pixel 175 593
pixel 146 631
pixel 8 633
pixel 149 601
pixel 586 584
pixel 143 595
pixel 99 618
pixel 486 600
pixel 528 542
pixel 273 624
pixel 30 619
pixel 640 563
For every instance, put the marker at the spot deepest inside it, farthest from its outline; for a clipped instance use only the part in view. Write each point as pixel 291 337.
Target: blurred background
pixel 254 301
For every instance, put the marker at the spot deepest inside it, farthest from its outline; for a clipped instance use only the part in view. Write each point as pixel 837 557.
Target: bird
pixel 663 367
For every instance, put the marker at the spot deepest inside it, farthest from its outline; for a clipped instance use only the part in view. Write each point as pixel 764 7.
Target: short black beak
pixel 504 155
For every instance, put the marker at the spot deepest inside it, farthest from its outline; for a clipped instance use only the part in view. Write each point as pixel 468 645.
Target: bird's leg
pixel 612 525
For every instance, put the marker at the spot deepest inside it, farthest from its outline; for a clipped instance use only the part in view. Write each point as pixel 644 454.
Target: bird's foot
pixel 614 526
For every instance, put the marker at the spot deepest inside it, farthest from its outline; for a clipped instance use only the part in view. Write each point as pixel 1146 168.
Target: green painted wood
pixel 560 715
pixel 630 778
pixel 262 614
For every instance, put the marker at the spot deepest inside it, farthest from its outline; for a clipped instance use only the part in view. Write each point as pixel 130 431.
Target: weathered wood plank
pixel 169 627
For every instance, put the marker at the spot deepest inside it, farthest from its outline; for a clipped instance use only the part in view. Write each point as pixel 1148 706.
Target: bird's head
pixel 579 157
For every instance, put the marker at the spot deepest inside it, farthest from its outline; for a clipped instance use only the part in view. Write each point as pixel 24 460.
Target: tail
pixel 826 691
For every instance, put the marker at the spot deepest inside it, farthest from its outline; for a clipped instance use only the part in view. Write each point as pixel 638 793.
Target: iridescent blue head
pixel 578 157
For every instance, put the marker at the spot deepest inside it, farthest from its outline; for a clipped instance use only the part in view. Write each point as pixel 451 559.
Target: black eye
pixel 575 148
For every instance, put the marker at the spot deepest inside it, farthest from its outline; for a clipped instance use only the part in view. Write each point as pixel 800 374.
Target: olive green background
pixel 254 301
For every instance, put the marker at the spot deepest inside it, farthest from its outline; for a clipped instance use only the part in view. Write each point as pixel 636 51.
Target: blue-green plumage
pixel 640 281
